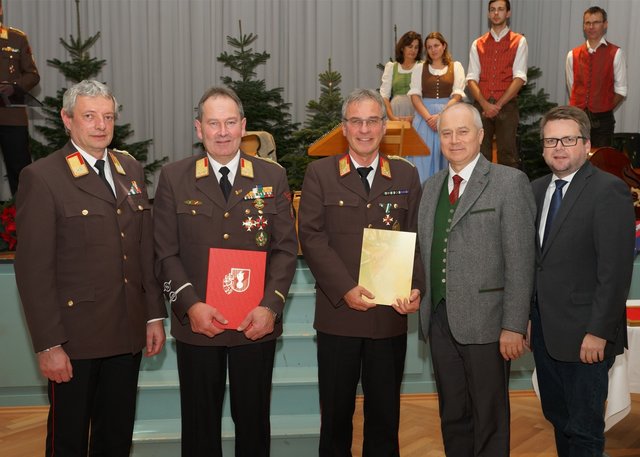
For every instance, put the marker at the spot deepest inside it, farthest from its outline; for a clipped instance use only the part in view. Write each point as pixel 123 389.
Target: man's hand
pixel 511 344
pixel 592 349
pixel 258 323
pixel 527 337
pixel 203 318
pixel 55 365
pixel 354 300
pixel 155 338
pixel 491 110
pixel 6 89
pixel 410 305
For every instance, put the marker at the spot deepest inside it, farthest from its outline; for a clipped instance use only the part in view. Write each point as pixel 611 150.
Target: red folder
pixel 235 284
pixel 633 315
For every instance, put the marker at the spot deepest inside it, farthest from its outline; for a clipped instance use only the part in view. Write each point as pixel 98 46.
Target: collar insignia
pixel 77 165
pixel 385 169
pixel 116 163
pixel 344 165
pixel 202 168
pixel 246 168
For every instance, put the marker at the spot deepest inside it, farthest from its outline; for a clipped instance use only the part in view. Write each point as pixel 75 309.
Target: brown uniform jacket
pixel 334 210
pixel 17 67
pixel 84 263
pixel 191 216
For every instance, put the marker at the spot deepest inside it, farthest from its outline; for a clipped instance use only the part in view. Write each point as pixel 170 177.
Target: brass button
pixel 119 211
pixel 395 205
pixel 368 205
pixel 126 281
pixel 247 211
pixel 226 215
pixel 70 303
pixel 193 211
pixel 124 256
pixel 121 234
pixel 140 208
pixel 85 212
pixel 225 236
pixel 341 203
pixel 260 211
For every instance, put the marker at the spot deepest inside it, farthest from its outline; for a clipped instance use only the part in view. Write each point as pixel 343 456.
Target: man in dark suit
pixel 84 269
pixel 342 195
pixel 584 258
pixel 18 73
pixel 223 199
pixel 476 232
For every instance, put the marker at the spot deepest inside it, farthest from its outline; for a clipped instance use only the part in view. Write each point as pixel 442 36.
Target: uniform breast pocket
pixel 195 223
pixel 85 224
pixel 139 206
pixel 342 214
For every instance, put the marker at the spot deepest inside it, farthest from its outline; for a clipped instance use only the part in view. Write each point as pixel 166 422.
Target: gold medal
pixel 258 203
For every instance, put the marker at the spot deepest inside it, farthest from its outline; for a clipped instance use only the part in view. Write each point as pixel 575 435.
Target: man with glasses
pixel 358 339
pixel 497 71
pixel 223 198
pixel 596 74
pixel 584 254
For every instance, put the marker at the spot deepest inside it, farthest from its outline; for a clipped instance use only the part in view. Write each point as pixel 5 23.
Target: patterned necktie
pixel 225 185
pixel 100 166
pixel 364 172
pixel 453 196
pixel 554 206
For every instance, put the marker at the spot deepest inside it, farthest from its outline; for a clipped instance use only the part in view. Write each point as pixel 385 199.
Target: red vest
pixel 496 63
pixel 593 89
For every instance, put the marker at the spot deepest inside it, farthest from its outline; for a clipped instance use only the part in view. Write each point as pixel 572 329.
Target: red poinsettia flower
pixel 8 226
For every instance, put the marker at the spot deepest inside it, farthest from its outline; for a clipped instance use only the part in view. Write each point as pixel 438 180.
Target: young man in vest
pixel 598 92
pixel 497 71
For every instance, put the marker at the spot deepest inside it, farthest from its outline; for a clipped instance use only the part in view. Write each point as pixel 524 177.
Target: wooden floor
pixel 22 429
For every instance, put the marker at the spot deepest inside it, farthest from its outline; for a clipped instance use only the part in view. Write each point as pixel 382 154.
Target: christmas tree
pixel 532 106
pixel 264 108
pixel 326 113
pixel 82 66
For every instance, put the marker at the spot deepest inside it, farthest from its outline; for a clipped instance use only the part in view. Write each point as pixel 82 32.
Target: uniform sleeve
pixel 29 76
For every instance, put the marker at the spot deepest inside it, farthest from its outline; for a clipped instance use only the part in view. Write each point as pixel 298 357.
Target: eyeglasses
pixel 358 123
pixel 590 23
pixel 566 141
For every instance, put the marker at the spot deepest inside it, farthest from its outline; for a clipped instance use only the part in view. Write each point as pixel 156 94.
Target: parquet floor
pixel 22 429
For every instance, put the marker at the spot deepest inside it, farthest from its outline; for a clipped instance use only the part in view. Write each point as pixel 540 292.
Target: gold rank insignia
pixel 193 202
pixel 403 159
pixel 116 163
pixel 385 168
pixel 77 165
pixel 344 165
pixel 4 33
pixel 126 153
pixel 246 168
pixel 202 168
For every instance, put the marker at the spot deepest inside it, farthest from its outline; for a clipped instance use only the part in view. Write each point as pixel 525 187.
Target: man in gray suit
pixel 584 261
pixel 476 233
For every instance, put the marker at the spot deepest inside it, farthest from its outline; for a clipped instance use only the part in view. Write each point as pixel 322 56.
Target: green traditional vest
pixel 400 82
pixel 442 223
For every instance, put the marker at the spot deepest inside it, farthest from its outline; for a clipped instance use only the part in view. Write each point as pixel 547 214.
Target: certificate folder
pixel 235 283
pixel 386 264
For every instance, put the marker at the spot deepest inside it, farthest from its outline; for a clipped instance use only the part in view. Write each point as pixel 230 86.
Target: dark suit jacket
pixel 17 67
pixel 84 263
pixel 334 210
pixel 490 256
pixel 192 216
pixel 583 273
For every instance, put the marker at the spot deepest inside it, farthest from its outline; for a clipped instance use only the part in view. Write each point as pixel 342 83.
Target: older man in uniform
pixel 18 73
pixel 223 199
pixel 341 196
pixel 84 269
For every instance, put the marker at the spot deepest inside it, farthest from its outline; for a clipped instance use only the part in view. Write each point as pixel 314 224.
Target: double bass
pixel 617 163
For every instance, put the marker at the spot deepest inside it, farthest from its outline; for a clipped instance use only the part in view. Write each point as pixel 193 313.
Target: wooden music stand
pixel 401 139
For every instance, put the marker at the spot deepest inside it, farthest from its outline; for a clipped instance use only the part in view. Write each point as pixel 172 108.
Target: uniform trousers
pixel 379 363
pixel 203 373
pixel 99 400
pixel 14 142
pixel 505 127
pixel 473 392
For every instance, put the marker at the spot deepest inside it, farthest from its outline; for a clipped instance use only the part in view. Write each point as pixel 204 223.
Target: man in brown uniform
pixel 341 196
pixel 18 73
pixel 223 199
pixel 84 269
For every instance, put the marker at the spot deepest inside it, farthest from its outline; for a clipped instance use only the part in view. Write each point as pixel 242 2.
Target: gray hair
pixel 477 120
pixel 219 91
pixel 359 95
pixel 86 88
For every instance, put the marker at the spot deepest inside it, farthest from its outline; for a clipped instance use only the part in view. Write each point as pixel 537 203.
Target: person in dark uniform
pixel 84 269
pixel 18 73
pixel 223 198
pixel 342 195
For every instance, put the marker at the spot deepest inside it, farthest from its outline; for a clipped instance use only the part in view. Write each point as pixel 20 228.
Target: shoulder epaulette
pixel 126 153
pixel 18 31
pixel 401 158
pixel 266 159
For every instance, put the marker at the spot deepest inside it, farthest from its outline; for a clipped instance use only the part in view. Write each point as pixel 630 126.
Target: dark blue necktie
pixel 103 177
pixel 364 172
pixel 225 184
pixel 554 206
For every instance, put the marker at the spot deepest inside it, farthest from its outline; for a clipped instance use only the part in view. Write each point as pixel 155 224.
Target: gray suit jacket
pixel 584 271
pixel 490 253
